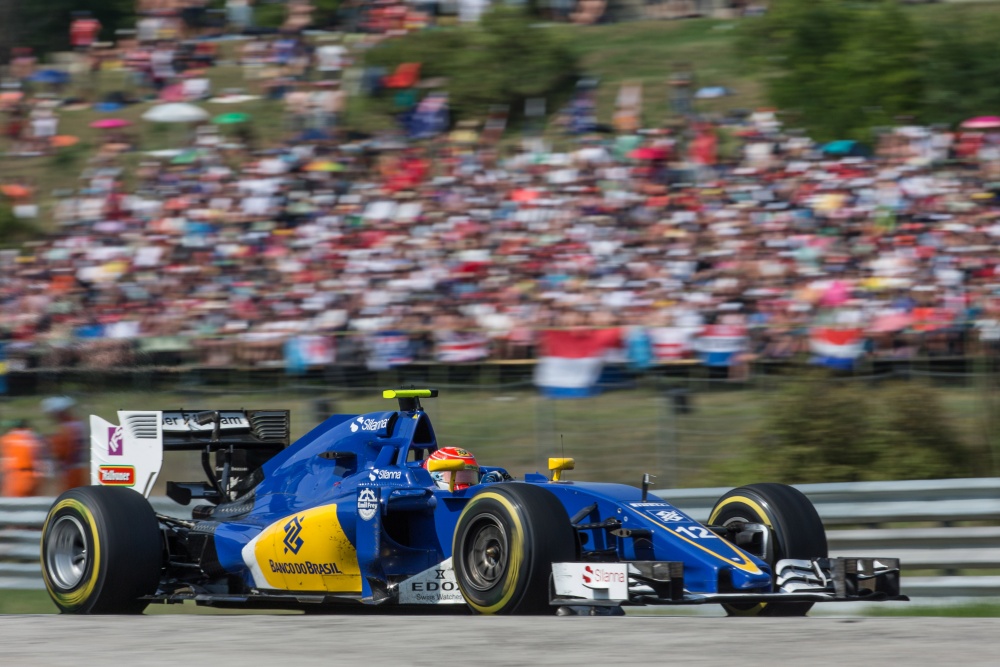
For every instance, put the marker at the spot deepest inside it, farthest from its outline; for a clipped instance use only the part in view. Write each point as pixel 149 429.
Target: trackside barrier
pixel 21 522
pixel 923 522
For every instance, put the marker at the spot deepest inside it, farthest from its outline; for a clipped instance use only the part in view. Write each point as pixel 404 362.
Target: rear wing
pixel 131 453
pixel 246 429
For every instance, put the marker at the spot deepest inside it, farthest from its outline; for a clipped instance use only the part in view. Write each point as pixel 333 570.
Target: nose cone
pixel 742 580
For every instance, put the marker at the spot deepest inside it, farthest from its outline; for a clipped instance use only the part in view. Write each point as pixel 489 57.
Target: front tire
pixel 101 551
pixel 796 532
pixel 506 540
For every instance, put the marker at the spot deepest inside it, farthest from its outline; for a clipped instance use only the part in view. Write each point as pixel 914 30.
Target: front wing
pixel 662 583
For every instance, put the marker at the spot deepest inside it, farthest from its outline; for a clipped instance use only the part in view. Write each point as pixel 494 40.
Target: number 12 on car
pixel 694 532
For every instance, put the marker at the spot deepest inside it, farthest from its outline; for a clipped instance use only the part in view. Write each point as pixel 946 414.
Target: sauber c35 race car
pixel 349 515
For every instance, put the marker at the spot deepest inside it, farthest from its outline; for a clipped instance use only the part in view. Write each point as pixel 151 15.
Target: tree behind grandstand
pixel 840 68
pixel 963 61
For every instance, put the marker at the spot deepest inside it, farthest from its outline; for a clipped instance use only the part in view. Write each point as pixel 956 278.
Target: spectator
pixel 44 126
pixel 330 60
pixel 68 445
pixel 239 15
pixel 21 456
pixel 83 31
pixel 22 64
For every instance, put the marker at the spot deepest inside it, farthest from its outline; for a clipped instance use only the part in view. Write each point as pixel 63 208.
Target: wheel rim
pixel 767 557
pixel 66 554
pixel 486 552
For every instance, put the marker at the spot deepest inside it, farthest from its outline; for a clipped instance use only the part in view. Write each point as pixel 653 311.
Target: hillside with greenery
pixel 830 66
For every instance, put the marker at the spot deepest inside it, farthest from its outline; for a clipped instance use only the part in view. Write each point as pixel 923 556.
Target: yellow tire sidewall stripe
pixel 81 594
pixel 752 504
pixel 515 552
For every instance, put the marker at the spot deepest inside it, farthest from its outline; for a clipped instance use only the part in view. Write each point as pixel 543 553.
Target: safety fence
pixel 689 430
pixel 945 532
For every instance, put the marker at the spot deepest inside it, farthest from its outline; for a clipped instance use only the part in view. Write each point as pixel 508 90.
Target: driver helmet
pixel 463 478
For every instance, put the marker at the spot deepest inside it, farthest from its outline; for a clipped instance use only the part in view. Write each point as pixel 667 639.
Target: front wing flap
pixel 662 583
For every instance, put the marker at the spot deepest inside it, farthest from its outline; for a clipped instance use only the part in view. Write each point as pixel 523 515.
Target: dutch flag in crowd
pixel 835 348
pixel 570 361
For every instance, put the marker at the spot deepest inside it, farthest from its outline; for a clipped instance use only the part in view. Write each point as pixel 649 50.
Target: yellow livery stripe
pixel 308 551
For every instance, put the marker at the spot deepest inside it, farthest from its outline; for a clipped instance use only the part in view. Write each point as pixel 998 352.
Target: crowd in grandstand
pixel 458 248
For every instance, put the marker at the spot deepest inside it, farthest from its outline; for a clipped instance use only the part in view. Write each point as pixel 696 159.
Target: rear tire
pixel 506 540
pixel 797 532
pixel 101 551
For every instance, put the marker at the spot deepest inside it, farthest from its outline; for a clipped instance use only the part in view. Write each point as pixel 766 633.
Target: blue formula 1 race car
pixel 353 514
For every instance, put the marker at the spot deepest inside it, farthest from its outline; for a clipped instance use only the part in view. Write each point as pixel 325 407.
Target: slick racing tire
pixel 796 532
pixel 101 551
pixel 506 540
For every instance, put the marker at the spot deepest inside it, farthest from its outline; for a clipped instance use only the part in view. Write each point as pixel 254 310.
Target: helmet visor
pixel 464 478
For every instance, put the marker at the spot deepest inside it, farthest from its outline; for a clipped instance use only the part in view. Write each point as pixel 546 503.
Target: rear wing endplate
pixel 131 453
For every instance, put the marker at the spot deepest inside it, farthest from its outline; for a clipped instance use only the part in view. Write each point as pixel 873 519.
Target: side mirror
pixel 556 466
